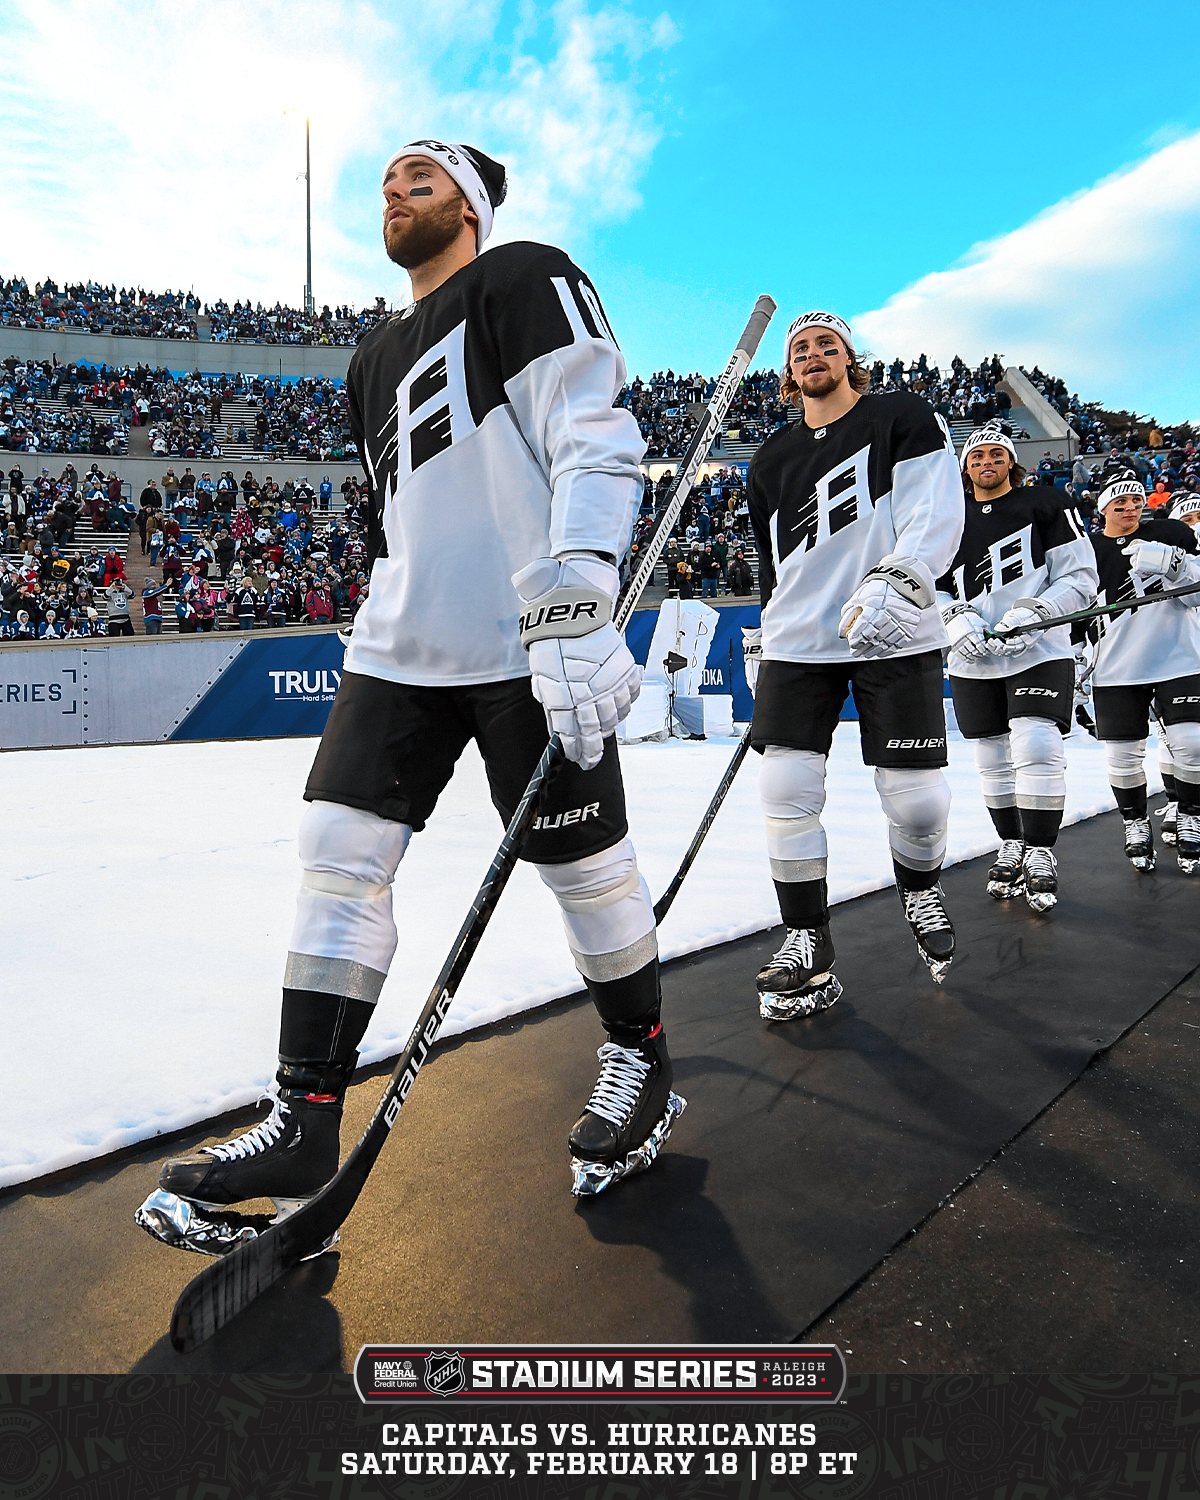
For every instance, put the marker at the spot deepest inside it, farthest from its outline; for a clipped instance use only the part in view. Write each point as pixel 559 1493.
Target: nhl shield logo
pixel 445 1374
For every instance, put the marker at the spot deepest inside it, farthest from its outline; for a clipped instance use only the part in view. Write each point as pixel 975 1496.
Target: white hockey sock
pixel 1125 760
pixel 344 936
pixel 607 912
pixel 791 788
pixel 1184 743
pixel 916 804
pixel 993 760
pixel 1039 763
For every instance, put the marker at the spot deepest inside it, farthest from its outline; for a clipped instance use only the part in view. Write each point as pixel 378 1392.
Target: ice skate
pixel 1170 822
pixel 288 1158
pixel 925 912
pixel 1187 849
pixel 1139 844
pixel 629 1116
pixel 1040 871
pixel 1005 878
pixel 797 982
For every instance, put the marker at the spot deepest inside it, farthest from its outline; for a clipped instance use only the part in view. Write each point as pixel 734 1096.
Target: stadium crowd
pixel 238 556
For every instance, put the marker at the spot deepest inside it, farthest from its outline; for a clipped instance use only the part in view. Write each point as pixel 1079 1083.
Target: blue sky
pixel 953 179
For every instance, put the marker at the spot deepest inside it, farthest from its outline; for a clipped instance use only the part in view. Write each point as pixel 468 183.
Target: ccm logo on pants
pixel 1192 699
pixel 916 744
pixel 1035 692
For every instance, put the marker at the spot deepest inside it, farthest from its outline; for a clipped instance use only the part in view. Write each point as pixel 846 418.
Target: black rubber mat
pixel 808 1150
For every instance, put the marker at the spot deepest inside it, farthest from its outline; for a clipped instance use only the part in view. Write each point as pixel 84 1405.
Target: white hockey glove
pixel 884 610
pixel 1157 560
pixel 751 655
pixel 583 673
pixel 1023 612
pixel 965 627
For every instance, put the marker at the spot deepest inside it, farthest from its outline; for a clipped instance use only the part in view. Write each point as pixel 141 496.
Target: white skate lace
pixel 622 1073
pixel 924 910
pixel 1171 810
pixel 255 1140
pixel 1137 830
pixel 1040 862
pixel 797 947
pixel 1189 828
pixel 1010 853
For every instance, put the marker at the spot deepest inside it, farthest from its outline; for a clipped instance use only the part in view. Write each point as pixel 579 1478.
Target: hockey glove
pixel 751 655
pixel 884 610
pixel 1157 560
pixel 965 628
pixel 1023 612
pixel 583 673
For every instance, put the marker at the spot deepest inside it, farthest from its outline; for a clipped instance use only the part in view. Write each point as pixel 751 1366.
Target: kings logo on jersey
pixel 834 504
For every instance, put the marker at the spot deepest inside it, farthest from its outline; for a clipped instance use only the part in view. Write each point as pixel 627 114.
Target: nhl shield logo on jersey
pixel 445 1374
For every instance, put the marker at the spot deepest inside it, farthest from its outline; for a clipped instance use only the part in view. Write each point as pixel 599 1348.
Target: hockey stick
pixel 228 1286
pixel 663 905
pixel 1092 614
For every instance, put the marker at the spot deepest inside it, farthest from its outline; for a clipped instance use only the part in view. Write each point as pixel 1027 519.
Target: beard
pixel 413 241
pixel 820 383
pixel 995 481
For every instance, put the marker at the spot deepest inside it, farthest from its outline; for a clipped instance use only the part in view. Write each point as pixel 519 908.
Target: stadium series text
pixel 700 1448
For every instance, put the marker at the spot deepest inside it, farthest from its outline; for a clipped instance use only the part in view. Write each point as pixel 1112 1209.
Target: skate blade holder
pixel 822 991
pixel 1041 901
pixel 592 1177
pixel 938 967
pixel 208 1230
pixel 1004 890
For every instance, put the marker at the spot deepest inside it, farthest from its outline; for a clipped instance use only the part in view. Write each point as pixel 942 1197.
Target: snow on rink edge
pixel 148 893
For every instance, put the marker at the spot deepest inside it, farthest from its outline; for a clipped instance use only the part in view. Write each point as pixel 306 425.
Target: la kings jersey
pixel 827 505
pixel 1146 645
pixel 1025 545
pixel 485 417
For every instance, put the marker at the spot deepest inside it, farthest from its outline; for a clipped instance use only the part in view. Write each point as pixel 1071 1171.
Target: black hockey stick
pixel 1094 613
pixel 228 1286
pixel 663 905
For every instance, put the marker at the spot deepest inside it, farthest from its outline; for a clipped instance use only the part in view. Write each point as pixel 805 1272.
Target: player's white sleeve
pixel 928 510
pixel 588 448
pixel 1072 581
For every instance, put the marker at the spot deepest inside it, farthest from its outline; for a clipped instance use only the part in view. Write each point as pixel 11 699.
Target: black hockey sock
pixel 1131 800
pixel 915 880
pixel 629 1007
pixel 1188 796
pixel 1170 786
pixel 803 903
pixel 1006 821
pixel 1040 825
pixel 318 1040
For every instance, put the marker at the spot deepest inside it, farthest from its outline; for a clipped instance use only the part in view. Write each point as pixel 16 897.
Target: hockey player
pixel 856 511
pixel 504 485
pixel 1148 658
pixel 1023 558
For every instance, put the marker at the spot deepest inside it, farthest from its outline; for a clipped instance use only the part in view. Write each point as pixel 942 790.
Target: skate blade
pixel 938 967
pixel 591 1177
pixel 1168 836
pixel 1002 890
pixel 1041 901
pixel 209 1229
pixel 1142 862
pixel 822 991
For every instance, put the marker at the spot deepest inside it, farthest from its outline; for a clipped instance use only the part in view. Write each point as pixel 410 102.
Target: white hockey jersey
pixel 1153 644
pixel 486 420
pixel 1028 544
pixel 827 505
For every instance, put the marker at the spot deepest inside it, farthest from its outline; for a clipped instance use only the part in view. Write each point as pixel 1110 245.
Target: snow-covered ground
pixel 142 969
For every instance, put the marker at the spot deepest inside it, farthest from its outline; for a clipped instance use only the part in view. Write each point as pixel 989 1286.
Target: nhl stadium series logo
pixel 445 1374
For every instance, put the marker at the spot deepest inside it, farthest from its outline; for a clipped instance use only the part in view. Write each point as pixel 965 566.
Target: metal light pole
pixel 308 291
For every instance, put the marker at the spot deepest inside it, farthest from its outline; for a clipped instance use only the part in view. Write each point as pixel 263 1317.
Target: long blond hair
pixel 857 374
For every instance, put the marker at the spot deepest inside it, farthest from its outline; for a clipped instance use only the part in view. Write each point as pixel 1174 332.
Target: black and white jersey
pixel 485 417
pixel 828 503
pixel 1145 645
pixel 1024 545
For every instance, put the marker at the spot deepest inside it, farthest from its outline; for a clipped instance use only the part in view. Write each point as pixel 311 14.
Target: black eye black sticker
pixel 426 192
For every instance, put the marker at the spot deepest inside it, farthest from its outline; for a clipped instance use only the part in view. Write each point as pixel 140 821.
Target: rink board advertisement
pixel 230 686
pixel 198 1436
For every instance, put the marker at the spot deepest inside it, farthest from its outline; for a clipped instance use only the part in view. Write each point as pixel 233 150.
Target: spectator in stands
pixel 741 579
pixel 709 570
pixel 114 566
pixel 151 498
pixel 118 593
pixel 206 607
pixel 244 604
pixel 152 605
pixel 185 614
pixel 318 604
pixel 50 628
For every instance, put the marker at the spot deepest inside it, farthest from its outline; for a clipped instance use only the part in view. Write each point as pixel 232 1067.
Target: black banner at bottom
pixel 278 1437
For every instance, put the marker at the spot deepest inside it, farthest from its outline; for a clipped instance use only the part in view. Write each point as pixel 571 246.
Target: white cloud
pixel 1101 289
pixel 148 144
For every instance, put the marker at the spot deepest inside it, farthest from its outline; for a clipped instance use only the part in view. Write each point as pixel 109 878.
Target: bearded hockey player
pixel 1148 657
pixel 504 485
pixel 1023 558
pixel 856 510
